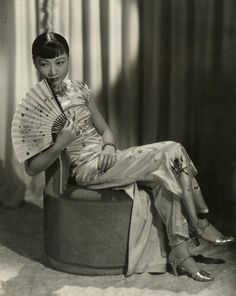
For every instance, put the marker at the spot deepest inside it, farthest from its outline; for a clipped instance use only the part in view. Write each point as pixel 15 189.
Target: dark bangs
pixel 49 46
pixel 50 50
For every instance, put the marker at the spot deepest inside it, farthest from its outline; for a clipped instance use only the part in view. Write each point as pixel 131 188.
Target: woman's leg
pixel 170 210
pixel 200 203
pixel 191 197
pixel 188 201
pixel 193 200
pixel 166 164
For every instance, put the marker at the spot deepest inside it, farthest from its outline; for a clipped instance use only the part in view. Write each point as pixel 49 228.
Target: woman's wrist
pixel 58 147
pixel 109 144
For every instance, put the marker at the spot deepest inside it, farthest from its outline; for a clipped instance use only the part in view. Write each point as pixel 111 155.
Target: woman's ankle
pixel 209 232
pixel 203 215
pixel 184 258
pixel 181 250
pixel 202 224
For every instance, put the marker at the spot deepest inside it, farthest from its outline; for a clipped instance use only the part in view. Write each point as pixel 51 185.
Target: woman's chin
pixel 55 84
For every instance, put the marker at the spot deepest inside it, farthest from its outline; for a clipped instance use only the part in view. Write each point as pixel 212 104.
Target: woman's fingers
pixel 71 126
pixel 112 161
pixel 101 162
pixel 106 160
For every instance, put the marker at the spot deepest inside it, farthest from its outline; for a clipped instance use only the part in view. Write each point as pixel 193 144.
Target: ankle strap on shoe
pixel 202 216
pixel 181 260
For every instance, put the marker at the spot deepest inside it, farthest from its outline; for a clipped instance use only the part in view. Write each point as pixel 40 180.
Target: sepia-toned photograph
pixel 117 148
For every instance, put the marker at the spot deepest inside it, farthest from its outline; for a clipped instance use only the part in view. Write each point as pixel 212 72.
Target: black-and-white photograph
pixel 117 147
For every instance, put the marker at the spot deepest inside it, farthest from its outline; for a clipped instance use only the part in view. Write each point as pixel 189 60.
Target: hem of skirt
pixel 157 268
pixel 176 242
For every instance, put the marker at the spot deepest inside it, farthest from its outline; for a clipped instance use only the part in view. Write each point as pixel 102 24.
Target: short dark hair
pixel 49 45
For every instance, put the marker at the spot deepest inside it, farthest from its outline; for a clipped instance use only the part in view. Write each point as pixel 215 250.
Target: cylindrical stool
pixel 87 231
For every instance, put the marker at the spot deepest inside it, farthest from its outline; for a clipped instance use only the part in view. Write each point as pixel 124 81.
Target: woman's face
pixel 55 69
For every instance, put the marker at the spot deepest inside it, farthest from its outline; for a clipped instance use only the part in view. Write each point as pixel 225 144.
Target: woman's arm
pixel 108 155
pixel 42 161
pixel 100 124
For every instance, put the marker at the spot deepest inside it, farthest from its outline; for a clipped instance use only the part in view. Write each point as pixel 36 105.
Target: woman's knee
pixel 176 146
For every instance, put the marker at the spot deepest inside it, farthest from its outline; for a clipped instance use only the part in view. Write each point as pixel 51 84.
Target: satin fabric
pixel 157 166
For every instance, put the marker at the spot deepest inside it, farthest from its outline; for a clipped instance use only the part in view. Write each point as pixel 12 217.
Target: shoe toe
pixel 202 276
pixel 225 240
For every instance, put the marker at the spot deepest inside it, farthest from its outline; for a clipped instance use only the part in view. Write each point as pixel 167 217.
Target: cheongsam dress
pixel 157 166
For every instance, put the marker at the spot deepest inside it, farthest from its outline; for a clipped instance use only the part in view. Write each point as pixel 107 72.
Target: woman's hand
pixel 107 158
pixel 66 135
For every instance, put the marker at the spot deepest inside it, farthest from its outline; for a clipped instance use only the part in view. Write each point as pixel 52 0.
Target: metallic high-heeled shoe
pixel 176 265
pixel 224 240
pixel 221 241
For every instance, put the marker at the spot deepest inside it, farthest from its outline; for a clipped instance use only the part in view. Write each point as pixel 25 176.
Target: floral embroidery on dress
pixel 77 85
pixel 195 186
pixel 81 88
pixel 62 90
pixel 177 166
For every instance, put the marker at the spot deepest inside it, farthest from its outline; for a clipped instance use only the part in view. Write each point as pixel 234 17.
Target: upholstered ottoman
pixel 86 231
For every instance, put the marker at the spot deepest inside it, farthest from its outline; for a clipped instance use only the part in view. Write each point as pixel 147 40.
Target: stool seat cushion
pixel 77 193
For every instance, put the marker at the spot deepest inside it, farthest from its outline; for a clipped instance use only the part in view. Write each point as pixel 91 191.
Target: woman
pixel 96 163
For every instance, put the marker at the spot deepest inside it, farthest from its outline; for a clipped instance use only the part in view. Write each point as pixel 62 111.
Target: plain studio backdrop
pixel 159 69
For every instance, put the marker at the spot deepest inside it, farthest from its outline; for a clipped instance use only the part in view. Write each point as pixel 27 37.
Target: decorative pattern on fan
pixel 37 117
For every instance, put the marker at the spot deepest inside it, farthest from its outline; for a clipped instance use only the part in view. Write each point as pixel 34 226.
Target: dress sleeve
pixel 85 90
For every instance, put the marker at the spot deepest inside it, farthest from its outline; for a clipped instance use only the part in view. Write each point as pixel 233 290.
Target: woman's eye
pixel 43 65
pixel 60 63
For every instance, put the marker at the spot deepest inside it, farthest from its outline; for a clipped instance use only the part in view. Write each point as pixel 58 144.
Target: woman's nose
pixel 52 71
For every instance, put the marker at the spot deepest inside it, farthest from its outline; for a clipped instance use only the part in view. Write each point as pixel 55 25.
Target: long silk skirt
pixel 159 166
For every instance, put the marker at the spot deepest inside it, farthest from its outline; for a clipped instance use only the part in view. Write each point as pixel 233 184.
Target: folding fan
pixel 38 116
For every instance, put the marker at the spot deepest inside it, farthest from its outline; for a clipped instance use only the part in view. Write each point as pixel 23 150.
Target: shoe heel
pixel 174 268
pixel 173 264
pixel 194 236
pixel 177 265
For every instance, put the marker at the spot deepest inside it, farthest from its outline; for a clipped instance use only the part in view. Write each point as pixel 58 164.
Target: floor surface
pixel 24 270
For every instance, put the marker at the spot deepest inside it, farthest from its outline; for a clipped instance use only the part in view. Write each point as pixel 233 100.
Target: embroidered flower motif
pixel 62 90
pixel 177 166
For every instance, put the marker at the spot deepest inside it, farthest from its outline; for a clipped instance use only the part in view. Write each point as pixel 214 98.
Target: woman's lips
pixel 53 80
